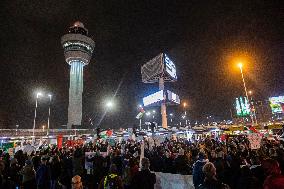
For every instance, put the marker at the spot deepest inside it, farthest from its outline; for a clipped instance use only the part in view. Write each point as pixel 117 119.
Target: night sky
pixel 203 38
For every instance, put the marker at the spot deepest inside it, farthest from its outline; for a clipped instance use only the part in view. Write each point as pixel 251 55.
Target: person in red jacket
pixel 274 179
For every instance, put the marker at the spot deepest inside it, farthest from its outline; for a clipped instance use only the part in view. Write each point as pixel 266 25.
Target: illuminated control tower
pixel 78 50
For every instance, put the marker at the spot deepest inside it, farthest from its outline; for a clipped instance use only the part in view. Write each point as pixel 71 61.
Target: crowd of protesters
pixel 213 163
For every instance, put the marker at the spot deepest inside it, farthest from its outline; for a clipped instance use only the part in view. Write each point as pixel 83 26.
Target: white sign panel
pixel 176 181
pixel 153 98
pixel 173 97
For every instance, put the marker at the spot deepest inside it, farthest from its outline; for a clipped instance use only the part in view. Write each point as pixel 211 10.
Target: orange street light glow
pixel 240 65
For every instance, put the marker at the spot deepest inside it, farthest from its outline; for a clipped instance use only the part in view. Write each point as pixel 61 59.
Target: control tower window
pixel 76 45
pixel 78 30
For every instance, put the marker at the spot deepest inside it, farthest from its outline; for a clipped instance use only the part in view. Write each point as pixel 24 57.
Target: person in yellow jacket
pixel 112 180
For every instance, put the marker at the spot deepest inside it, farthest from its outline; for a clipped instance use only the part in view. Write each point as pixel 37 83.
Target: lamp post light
pixel 240 65
pixel 37 96
pixel 50 96
pixel 43 127
pixel 109 104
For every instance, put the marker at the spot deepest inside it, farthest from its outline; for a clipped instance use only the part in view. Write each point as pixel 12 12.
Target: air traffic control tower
pixel 78 50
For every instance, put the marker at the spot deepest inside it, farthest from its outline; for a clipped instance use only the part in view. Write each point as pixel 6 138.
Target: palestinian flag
pixel 141 113
pixel 252 128
pixel 103 134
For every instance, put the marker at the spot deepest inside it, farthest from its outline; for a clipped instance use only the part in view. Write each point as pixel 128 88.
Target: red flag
pixel 59 141
pixel 253 129
pixel 223 137
pixel 109 133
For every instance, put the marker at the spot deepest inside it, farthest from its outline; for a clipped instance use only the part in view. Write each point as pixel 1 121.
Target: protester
pixel 43 174
pixel 4 181
pixel 210 181
pixel 144 179
pixel 257 169
pixel 13 172
pixel 235 164
pixel 247 180
pixel 112 180
pixel 28 174
pixel 198 174
pixel 274 179
pixel 55 171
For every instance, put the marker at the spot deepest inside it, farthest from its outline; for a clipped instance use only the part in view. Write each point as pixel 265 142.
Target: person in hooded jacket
pixel 43 174
pixel 198 175
pixel 55 171
pixel 28 174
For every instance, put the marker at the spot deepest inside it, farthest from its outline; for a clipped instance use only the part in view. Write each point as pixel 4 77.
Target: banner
pixel 254 139
pixel 170 181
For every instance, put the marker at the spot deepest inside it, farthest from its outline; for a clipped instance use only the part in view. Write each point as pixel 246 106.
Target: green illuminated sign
pixel 242 107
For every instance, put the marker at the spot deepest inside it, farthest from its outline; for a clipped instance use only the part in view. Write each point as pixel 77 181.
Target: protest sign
pixel 176 181
pixel 89 162
pixel 254 139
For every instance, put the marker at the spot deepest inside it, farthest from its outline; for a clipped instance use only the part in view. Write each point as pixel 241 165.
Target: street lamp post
pixel 50 96
pixel 37 96
pixel 252 106
pixel 240 65
pixel 184 117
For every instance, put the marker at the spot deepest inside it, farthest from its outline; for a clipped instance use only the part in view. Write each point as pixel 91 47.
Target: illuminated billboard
pixel 170 67
pixel 160 66
pixel 277 104
pixel 161 96
pixel 153 69
pixel 172 97
pixel 242 107
pixel 154 98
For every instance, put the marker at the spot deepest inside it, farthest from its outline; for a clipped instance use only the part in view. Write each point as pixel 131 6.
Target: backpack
pixel 110 182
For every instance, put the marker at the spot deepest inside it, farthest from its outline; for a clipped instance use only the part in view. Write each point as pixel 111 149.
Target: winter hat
pixel 28 162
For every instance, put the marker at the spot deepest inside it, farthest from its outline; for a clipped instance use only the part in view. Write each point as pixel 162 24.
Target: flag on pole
pixel 103 134
pixel 141 113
